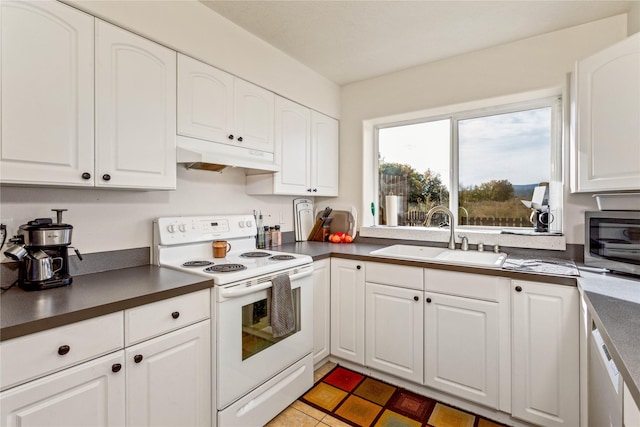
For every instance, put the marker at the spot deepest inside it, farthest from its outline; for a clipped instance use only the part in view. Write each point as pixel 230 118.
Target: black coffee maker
pixel 42 248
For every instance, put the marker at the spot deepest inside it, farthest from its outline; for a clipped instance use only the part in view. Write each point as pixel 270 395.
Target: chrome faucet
pixel 444 210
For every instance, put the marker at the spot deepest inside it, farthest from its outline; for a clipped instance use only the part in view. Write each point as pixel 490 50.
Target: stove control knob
pixel 241 224
pixel 249 223
pixel 182 227
pixel 171 228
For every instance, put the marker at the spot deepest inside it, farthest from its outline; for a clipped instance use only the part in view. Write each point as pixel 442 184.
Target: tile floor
pixel 299 414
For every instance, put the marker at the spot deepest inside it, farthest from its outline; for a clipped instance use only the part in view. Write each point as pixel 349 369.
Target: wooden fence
pixel 417 217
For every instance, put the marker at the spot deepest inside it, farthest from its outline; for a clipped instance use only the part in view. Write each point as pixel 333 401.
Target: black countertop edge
pixel 90 296
pixel 624 359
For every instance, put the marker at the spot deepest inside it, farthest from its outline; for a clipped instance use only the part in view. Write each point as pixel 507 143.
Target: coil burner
pixel 197 263
pixel 282 257
pixel 224 268
pixel 255 254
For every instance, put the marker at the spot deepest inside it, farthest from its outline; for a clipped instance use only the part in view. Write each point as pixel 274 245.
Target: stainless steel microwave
pixel 612 240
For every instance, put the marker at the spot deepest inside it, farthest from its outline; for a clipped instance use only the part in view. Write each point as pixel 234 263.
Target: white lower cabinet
pixel 461 347
pixel 169 379
pixel 393 332
pixel 545 365
pixel 89 394
pixel 321 310
pixel 347 309
pixel 631 410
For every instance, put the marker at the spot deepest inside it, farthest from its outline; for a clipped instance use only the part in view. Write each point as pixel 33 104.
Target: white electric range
pixel 257 375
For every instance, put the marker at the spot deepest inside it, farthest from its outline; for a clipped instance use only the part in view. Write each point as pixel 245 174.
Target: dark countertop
pixel 91 295
pixel 614 304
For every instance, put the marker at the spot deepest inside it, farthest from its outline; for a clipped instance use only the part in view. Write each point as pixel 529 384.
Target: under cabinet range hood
pixel 214 156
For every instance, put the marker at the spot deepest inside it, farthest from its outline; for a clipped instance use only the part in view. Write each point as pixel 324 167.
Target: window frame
pixel 554 98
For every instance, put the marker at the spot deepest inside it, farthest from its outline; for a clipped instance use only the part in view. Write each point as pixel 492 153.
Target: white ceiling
pixel 348 41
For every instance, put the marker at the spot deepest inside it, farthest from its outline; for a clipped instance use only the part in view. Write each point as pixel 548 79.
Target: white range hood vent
pixel 214 156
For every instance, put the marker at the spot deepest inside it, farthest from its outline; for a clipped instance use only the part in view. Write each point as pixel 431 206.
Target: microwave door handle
pixel 238 291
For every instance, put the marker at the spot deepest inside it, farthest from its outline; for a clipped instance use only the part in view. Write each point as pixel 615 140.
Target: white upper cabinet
pixel 306 149
pixel 216 106
pixel 606 139
pixel 205 101
pixel 135 111
pixel 47 94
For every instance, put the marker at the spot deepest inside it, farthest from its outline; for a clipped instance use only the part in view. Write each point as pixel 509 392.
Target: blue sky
pixel 512 146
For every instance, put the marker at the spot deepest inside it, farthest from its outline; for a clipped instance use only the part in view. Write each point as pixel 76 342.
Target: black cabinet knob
pixel 230 136
pixel 137 358
pixel 358 267
pixel 240 139
pixel 175 314
pixel 416 298
pixel 86 175
pixel 63 349
pixel 428 299
pixel 106 177
pixel 116 367
pixel 309 190
pixel 315 190
pixel 518 288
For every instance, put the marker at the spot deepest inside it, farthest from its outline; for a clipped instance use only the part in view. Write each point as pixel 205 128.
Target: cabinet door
pixel 253 117
pixel 135 111
pixel 169 379
pixel 608 128
pixel 324 155
pixel 394 330
pixel 461 347
pixel 321 310
pixel 47 94
pixel 347 309
pixel 545 381
pixel 90 394
pixel 292 148
pixel 205 101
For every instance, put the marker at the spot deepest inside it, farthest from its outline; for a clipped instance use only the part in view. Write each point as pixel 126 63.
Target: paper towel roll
pixel 392 210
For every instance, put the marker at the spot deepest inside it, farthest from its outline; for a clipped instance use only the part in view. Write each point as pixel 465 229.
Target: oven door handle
pixel 238 291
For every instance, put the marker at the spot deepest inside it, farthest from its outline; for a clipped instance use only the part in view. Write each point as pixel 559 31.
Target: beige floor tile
pixel 333 422
pixel 445 416
pixel 292 417
pixel 309 410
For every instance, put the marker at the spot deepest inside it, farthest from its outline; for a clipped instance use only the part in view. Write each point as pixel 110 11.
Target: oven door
pixel 247 353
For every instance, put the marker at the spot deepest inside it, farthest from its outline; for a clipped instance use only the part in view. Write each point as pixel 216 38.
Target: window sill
pixel 475 236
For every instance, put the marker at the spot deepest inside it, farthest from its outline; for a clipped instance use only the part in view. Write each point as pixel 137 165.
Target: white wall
pixel 633 20
pixel 532 64
pixel 108 219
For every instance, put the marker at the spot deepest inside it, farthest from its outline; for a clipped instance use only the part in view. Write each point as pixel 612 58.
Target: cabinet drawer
pixel 41 353
pixel 160 317
pixel 395 275
pixel 464 284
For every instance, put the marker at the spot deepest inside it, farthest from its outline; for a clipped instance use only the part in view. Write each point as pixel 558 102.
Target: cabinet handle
pixel 428 300
pixel 116 367
pixel 309 190
pixel 315 190
pixel 416 298
pixel 86 175
pixel 230 136
pixel 518 288
pixel 358 267
pixel 63 349
pixel 137 358
pixel 175 314
pixel 106 177
pixel 240 139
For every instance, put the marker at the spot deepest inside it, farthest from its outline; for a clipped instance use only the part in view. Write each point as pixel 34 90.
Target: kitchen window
pixel 481 163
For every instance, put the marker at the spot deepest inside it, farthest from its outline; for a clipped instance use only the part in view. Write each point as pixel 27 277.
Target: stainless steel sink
pixel 443 256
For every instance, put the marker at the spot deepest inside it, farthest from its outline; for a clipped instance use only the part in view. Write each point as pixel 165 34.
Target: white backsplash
pixel 105 220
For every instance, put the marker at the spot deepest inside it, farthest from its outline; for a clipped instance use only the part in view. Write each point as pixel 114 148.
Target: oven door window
pixel 256 326
pixel 615 239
